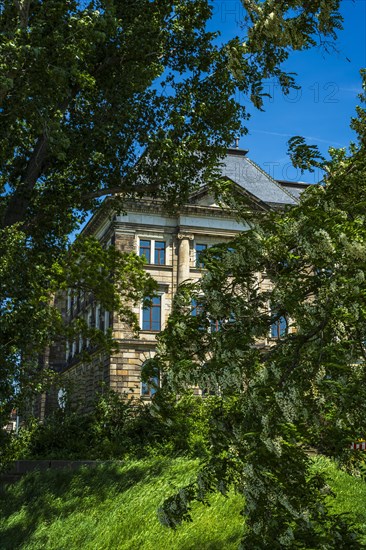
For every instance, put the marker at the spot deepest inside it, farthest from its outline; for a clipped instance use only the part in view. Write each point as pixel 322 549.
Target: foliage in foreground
pixel 114 508
pixel 106 97
pixel 117 429
pixel 280 338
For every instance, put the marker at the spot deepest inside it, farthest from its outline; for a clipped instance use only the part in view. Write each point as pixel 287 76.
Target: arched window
pixel 279 327
pixel 149 385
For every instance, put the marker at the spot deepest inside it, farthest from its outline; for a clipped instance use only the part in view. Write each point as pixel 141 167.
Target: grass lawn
pixel 111 507
pixel 114 507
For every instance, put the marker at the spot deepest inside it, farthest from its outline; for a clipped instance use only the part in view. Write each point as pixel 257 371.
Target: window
pixel 67 350
pixel 151 315
pixel 71 303
pixel 197 308
pixel 159 256
pixel 89 321
pixel 216 325
pixel 279 328
pixel 150 382
pixel 102 320
pixel 145 250
pixel 107 320
pixel 154 251
pixel 150 379
pixel 97 316
pixel 207 391
pixel 149 388
pixel 200 248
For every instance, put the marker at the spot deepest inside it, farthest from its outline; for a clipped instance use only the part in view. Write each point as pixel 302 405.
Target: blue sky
pixel 321 110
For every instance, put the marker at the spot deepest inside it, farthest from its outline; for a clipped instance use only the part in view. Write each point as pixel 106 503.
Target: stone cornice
pixel 158 267
pixel 136 343
pixel 98 218
pixel 210 211
pixel 147 206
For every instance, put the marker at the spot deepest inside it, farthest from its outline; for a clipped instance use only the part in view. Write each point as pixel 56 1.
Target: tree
pixel 307 387
pixel 104 97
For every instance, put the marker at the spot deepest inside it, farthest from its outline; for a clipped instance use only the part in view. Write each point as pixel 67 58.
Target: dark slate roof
pixel 248 175
pixel 294 187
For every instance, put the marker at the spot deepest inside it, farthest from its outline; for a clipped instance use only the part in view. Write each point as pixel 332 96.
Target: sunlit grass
pixel 350 492
pixel 114 507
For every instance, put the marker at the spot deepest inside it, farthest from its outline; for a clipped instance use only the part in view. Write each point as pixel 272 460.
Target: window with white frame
pixel 154 251
pixel 151 315
pixel 102 318
pixel 159 253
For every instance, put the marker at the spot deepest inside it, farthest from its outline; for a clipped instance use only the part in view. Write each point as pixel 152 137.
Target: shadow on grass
pixel 42 497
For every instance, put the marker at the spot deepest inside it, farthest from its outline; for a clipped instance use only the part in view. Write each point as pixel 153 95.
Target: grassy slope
pixel 111 507
pixel 114 507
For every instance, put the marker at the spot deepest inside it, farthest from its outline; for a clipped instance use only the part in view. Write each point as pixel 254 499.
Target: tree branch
pixel 301 341
pixel 23 8
pixel 138 189
pixel 19 201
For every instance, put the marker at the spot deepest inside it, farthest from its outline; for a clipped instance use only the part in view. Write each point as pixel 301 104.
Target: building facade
pixel 172 246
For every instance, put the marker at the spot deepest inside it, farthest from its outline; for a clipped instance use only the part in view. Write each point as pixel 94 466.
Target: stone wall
pixel 125 367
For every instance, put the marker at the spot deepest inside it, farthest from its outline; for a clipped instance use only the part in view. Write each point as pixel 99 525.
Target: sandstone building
pixel 171 245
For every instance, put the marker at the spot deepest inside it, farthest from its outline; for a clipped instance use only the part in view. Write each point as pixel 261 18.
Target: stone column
pixel 183 257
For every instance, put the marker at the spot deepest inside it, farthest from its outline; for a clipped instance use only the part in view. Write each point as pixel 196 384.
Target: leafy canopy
pixel 281 341
pixel 105 97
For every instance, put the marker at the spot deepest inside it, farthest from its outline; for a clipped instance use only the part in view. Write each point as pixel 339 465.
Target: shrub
pixel 118 428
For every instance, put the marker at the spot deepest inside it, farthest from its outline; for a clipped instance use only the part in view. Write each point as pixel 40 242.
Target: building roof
pixel 264 191
pixel 294 187
pixel 240 169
